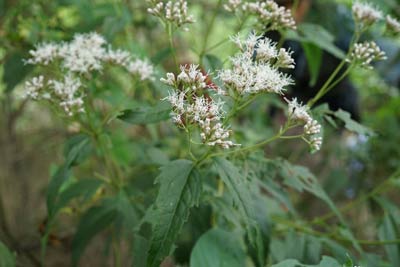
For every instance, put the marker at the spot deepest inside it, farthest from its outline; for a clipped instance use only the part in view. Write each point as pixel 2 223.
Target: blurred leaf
pixel 7 258
pixel 212 63
pixel 139 251
pixel 314 59
pixel 350 124
pixel 14 70
pixel 317 35
pixel 180 189
pixel 145 115
pixel 91 223
pixel 300 178
pixel 240 192
pixel 325 262
pixel 76 149
pixel 82 188
pixel 161 55
pixel 389 231
pixel 218 248
pixel 57 180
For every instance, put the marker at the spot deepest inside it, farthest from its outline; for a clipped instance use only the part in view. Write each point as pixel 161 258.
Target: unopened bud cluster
pixel 77 59
pixel 175 12
pixel 256 68
pixel 192 105
pixel 363 54
pixel 268 13
pixel 312 129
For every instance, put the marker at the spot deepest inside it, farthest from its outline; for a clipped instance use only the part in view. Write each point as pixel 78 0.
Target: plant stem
pixel 328 85
pixel 171 44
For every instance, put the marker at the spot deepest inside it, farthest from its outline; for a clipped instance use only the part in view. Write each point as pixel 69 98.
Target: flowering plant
pixel 194 124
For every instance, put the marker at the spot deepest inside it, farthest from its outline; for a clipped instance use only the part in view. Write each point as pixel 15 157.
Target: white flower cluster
pixel 66 93
pixel 256 68
pixel 268 13
pixel 365 53
pixel 173 11
pixel 312 129
pixel 392 25
pixel 84 54
pixel 365 14
pixel 192 105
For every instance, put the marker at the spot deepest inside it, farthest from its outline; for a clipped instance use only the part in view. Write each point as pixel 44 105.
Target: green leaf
pixel 140 249
pixel 325 262
pixel 146 115
pixel 57 180
pixel 92 222
pixel 317 35
pixel 14 70
pixel 300 178
pixel 236 184
pixel 350 124
pixel 7 258
pixel 218 248
pixel 161 55
pixel 180 189
pixel 314 59
pixel 82 188
pixel 389 231
pixel 75 151
pixel 212 63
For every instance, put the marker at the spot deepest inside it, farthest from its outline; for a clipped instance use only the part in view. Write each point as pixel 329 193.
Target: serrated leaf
pixel 7 258
pixel 180 189
pixel 350 124
pixel 146 115
pixel 218 248
pixel 91 223
pixel 240 192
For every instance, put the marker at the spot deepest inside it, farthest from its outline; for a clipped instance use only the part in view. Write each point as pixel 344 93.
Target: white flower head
pixel 232 5
pixel 255 69
pixel 44 54
pixel 365 14
pixel 69 94
pixel 192 105
pixel 140 67
pixel 33 87
pixel 312 129
pixel 392 25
